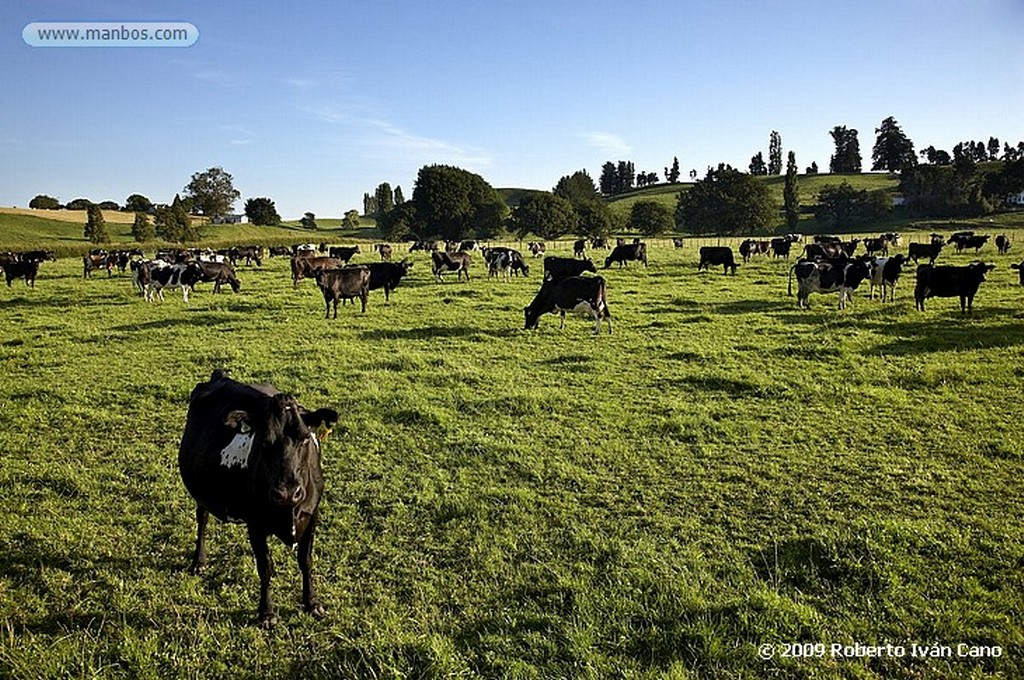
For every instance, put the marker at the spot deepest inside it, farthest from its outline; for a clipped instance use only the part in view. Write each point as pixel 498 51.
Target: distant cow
pixel 468 246
pixel 565 267
pixel 749 248
pixel 499 265
pixel 250 253
pixel 876 245
pixel 384 249
pixel 1002 244
pixel 425 246
pixel 633 251
pixel 884 272
pixel 824 251
pixel 184 276
pixel 950 281
pixel 581 294
pixel 599 242
pixel 678 243
pixel 930 250
pixel 27 270
pixel 717 255
pixel 450 262
pixel 250 454
pixel 842 276
pixel 975 242
pixel 826 238
pixel 304 267
pixel 387 275
pixel 343 253
pixel 781 247
pixel 1020 271
pixel 537 248
pixel 579 247
pixel 98 259
pixel 278 251
pixel 219 273
pixel 346 283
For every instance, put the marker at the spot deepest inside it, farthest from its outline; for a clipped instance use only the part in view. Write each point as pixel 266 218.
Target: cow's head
pixel 979 270
pixel 588 266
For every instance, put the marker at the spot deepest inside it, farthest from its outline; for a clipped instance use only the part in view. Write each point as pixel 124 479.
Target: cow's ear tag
pixel 322 432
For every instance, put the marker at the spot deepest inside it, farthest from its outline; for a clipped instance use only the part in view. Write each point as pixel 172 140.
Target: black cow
pixel 303 267
pixel 626 252
pixel 27 270
pixel 975 242
pixel 717 255
pixel 599 242
pixel 876 245
pixel 250 454
pixel 579 248
pixel 343 253
pixel 250 253
pixel 781 247
pixel 38 256
pixel 1003 244
pixel 930 250
pixel 826 238
pixel 884 272
pixel 346 283
pixel 278 251
pixel 582 294
pixel 387 275
pixel 1020 270
pixel 950 281
pixel 468 246
pixel 450 262
pixel 425 246
pixel 219 273
pixel 824 251
pixel 842 276
pixel 564 267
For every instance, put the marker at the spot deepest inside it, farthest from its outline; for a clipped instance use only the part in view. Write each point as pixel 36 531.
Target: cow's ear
pixel 322 416
pixel 237 420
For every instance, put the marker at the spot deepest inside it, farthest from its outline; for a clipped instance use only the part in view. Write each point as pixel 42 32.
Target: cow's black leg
pixel 305 558
pixel 261 551
pixel 362 298
pixel 199 556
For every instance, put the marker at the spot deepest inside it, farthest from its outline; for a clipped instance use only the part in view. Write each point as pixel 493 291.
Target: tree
pixel 842 206
pixel 262 211
pixel 594 218
pixel 812 169
pixel 95 225
pixel 546 215
pixel 936 157
pixel 993 148
pixel 455 204
pixel 757 166
pixel 576 188
pixel 651 218
pixel 608 179
pixel 212 192
pixel 369 204
pixel 625 172
pixel 672 174
pixel 847 156
pixel 399 223
pixel 44 202
pixel 726 202
pixel 399 197
pixel 791 193
pixel 308 221
pixel 109 205
pixel 775 154
pixel 142 228
pixel 78 204
pixel 137 203
pixel 385 198
pixel 174 224
pixel 893 150
pixel 351 220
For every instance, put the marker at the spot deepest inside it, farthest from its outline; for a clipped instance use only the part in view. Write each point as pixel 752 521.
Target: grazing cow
pixel 781 247
pixel 450 262
pixel 425 246
pixel 346 283
pixel 824 251
pixel 384 249
pixel 251 454
pixel 537 248
pixel 219 273
pixel 467 246
pixel 750 247
pixel 517 265
pixel 599 242
pixel 884 272
pixel 1020 271
pixel 250 253
pixel 930 250
pixel 579 248
pixel 582 294
pixel 1002 244
pixel 626 252
pixel 387 275
pixel 27 270
pixel 565 267
pixel 38 256
pixel 678 243
pixel 842 276
pixel 279 251
pixel 975 242
pixel 499 264
pixel 303 267
pixel 98 259
pixel 717 255
pixel 949 281
pixel 184 276
pixel 343 253
pixel 958 236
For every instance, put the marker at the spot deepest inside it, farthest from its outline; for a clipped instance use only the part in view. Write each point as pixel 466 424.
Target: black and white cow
pixel 98 259
pixel 387 275
pixel 884 272
pixel 717 255
pixel 251 454
pixel 450 262
pixel 346 283
pixel 142 273
pixel 564 267
pixel 781 247
pixel 537 248
pixel 184 276
pixel 678 243
pixel 622 254
pixel 384 250
pixel 842 276
pixel 580 294
pixel 1020 271
pixel 22 269
pixel 950 281
pixel 499 265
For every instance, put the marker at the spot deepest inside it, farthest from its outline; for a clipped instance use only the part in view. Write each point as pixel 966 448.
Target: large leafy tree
pixel 142 228
pixel 262 211
pixel 212 192
pixel 842 206
pixel 651 218
pixel 576 188
pixel 775 154
pixel 757 166
pixel 893 150
pixel 385 198
pixel 400 223
pixel 546 215
pixel 847 156
pixel 726 202
pixel 593 218
pixel 138 203
pixel 791 193
pixel 455 204
pixel 44 202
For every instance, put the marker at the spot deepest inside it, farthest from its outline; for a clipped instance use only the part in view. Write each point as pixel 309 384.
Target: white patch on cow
pixel 237 452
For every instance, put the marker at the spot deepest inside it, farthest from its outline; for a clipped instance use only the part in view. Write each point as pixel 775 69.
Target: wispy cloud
pixel 217 77
pixel 392 136
pixel 238 135
pixel 300 83
pixel 608 142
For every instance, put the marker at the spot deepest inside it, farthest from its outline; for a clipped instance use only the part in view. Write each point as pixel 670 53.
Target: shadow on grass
pixel 430 332
pixel 199 320
pixel 952 331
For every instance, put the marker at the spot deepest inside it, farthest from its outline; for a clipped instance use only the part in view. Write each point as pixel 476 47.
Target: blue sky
pixel 314 103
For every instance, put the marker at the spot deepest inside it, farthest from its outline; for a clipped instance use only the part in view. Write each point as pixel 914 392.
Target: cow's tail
pixel 789 290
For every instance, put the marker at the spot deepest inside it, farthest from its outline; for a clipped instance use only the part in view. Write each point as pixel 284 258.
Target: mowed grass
pixel 722 472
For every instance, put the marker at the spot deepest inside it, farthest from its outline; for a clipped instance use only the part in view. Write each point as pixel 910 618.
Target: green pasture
pixel 723 472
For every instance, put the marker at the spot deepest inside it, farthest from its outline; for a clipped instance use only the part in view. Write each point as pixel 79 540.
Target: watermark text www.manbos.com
pixel 819 650
pixel 110 34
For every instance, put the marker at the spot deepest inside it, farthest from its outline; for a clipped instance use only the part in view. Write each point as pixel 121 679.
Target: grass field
pixel 723 472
